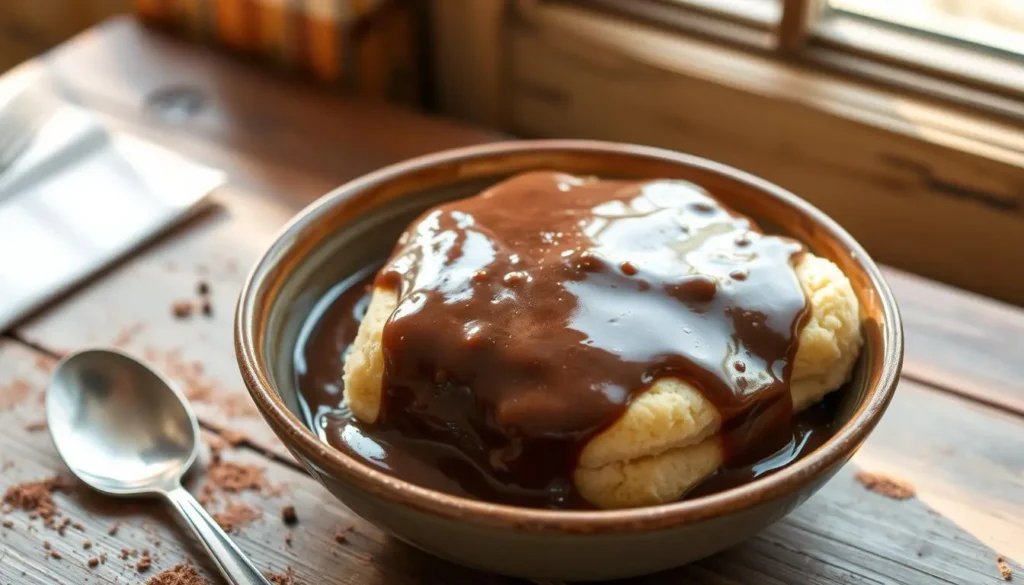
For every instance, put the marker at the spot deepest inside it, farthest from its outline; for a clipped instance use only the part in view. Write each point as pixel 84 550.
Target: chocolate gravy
pixel 531 314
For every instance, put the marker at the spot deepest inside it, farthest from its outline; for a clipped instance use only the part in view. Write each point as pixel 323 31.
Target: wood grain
pixel 961 341
pixel 969 483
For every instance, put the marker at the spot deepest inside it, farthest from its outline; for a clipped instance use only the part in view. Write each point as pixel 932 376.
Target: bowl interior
pixel 356 226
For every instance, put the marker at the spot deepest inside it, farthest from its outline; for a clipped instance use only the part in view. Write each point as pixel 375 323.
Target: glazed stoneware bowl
pixel 356 225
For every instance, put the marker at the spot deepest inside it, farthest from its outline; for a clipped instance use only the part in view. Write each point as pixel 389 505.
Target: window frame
pixel 943 69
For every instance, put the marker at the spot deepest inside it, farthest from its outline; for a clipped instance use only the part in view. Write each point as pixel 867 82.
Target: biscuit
pixel 664 444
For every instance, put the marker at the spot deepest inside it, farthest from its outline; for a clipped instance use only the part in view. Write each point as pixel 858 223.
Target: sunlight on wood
pixel 993 521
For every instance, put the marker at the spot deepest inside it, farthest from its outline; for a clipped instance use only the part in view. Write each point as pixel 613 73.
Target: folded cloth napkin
pixel 81 197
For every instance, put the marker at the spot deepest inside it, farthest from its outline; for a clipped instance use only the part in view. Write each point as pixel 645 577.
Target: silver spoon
pixel 122 429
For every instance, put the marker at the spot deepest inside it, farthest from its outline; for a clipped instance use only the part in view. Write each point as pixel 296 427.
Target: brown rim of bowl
pixel 306 444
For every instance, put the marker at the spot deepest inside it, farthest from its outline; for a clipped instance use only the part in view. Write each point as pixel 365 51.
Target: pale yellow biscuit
pixel 627 465
pixel 663 444
pixel 364 365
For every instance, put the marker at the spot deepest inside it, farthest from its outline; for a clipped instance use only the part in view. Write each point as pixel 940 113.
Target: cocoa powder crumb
pixel 288 514
pixel 124 554
pixel 126 334
pixel 233 437
pixel 112 531
pixel 56 555
pixel 1004 569
pixel 144 564
pixel 35 426
pixel 46 544
pixel 207 307
pixel 203 288
pixel 235 516
pixel 35 496
pixel 340 537
pixel 93 562
pixel 86 544
pixel 288 536
pixel 178 575
pixel 78 526
pixel 14 393
pixel 182 309
pixel 236 477
pixel 286 578
pixel 8 524
pixel 889 487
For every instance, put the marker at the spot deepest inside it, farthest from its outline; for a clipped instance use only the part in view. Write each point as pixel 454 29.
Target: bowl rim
pixel 311 450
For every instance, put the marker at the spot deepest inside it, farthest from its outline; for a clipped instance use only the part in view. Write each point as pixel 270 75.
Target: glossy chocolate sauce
pixel 530 315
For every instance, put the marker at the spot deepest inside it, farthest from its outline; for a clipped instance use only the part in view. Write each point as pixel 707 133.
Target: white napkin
pixel 80 198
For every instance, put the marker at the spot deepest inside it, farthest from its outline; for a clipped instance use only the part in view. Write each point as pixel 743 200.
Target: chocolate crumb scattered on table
pixel 236 477
pixel 46 544
pixel 56 555
pixel 13 393
pixel 288 536
pixel 182 309
pixel 288 514
pixel 44 364
pixel 889 487
pixel 93 562
pixel 112 531
pixel 8 524
pixel 1004 569
pixel 144 564
pixel 206 307
pixel 86 544
pixel 286 578
pixel 233 437
pixel 182 574
pixel 203 288
pixel 235 516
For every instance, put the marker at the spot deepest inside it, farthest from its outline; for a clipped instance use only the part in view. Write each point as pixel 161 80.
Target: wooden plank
pixel 970 497
pixel 961 341
pixel 134 73
pixel 923 188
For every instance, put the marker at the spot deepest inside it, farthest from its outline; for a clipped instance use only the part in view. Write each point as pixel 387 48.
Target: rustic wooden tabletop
pixel 955 430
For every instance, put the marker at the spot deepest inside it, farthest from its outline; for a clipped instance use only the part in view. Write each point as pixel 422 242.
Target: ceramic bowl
pixel 356 225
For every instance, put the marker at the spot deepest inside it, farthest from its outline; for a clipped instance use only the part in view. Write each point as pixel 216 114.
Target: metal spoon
pixel 122 429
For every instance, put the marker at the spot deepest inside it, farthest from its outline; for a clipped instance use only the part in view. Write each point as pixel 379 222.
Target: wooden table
pixel 955 429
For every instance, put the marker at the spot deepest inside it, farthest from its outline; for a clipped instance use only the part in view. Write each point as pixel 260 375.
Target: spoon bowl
pixel 118 425
pixel 124 430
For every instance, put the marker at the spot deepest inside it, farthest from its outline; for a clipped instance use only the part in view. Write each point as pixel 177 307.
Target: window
pixel 968 52
pixel 992 25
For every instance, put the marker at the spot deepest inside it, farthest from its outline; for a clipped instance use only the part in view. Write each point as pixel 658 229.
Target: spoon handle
pixel 232 562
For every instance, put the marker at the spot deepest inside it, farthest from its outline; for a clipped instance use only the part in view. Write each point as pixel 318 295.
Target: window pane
pixel 995 24
pixel 767 11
